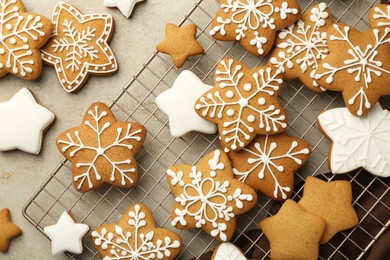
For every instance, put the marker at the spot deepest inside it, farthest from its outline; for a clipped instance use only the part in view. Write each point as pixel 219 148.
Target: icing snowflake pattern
pixel 304 44
pixel 380 15
pixel 237 94
pixel 135 238
pixel 129 138
pixel 21 36
pixel 207 197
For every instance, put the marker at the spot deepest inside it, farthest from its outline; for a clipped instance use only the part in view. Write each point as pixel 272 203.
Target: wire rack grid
pixel 136 103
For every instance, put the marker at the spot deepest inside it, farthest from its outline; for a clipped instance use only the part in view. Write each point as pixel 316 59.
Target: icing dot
pixel 230 94
pixel 59 70
pixel 12 40
pixel 230 112
pixel 104 68
pixel 50 58
pixel 69 87
pixel 113 66
pixel 251 118
pixel 247 87
pixel 96 68
pixel 8 27
pixel 1 65
pixel 2 51
pixel 63 80
pixel 105 48
pixel 261 101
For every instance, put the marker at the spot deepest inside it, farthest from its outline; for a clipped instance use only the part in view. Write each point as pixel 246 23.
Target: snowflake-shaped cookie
pixel 253 22
pixel 303 45
pixel 21 36
pixel 358 141
pixel 243 103
pixel 380 15
pixel 79 46
pixel 102 149
pixel 208 196
pixel 268 164
pixel 136 237
pixel 358 64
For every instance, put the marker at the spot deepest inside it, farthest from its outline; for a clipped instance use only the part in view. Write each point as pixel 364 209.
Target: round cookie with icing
pixel 253 23
pixel 380 15
pixel 207 196
pixel 229 251
pixel 243 103
pixel 22 34
pixel 102 150
pixel 303 45
pixel 79 46
pixel 358 65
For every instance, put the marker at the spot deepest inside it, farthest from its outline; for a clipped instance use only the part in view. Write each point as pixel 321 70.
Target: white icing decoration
pixel 136 245
pixel 380 14
pixel 358 141
pixel 77 144
pixel 228 251
pixel 304 38
pixel 268 117
pixel 125 6
pixel 23 122
pixel 178 103
pixel 362 63
pixel 263 160
pixel 78 45
pixel 66 235
pixel 207 191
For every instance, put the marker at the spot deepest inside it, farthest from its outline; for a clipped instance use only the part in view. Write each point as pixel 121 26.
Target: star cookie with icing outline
pixel 79 46
pixel 8 230
pixel 22 34
pixel 136 237
pixel 380 15
pixel 125 6
pixel 102 149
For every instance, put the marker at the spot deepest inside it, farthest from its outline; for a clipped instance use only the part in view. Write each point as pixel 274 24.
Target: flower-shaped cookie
pixel 136 237
pixel 22 34
pixel 358 64
pixel 79 46
pixel 243 103
pixel 102 149
pixel 208 196
pixel 253 22
pixel 303 45
pixel 380 15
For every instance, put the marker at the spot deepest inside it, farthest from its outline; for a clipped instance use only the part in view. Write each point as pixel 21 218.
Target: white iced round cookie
pixel 227 251
pixel 125 6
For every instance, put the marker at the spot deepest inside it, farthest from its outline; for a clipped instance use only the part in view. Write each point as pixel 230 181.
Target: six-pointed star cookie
pixel 253 22
pixel 380 15
pixel 125 6
pixel 333 202
pixel 23 123
pixel 8 230
pixel 178 103
pixel 358 64
pixel 243 103
pixel 180 43
pixel 293 233
pixel 136 237
pixel 207 196
pixel 79 46
pixel 357 141
pixel 303 45
pixel 66 235
pixel 22 34
pixel 102 149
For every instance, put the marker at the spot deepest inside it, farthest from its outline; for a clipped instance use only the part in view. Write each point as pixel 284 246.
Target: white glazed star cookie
pixel 125 6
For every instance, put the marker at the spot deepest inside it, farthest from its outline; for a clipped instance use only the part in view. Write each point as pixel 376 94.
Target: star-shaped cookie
pixel 357 65
pixel 23 123
pixel 8 230
pixel 226 251
pixel 66 235
pixel 380 15
pixel 178 103
pixel 243 103
pixel 207 196
pixel 293 233
pixel 180 43
pixel 333 202
pixel 125 6
pixel 358 141
pixel 136 237
pixel 79 46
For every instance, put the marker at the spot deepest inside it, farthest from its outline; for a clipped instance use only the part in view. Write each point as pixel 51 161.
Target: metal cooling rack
pixel 136 103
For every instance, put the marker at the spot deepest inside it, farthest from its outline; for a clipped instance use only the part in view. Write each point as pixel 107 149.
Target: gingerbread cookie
pixel 303 45
pixel 357 65
pixel 102 149
pixel 357 141
pixel 125 6
pixel 268 164
pixel 8 230
pixel 293 233
pixel 207 196
pixel 380 15
pixel 226 251
pixel 333 202
pixel 79 46
pixel 66 235
pixel 253 22
pixel 22 34
pixel 180 43
pixel 243 103
pixel 136 237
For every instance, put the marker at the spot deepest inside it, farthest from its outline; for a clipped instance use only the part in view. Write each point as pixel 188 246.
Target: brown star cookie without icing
pixel 8 230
